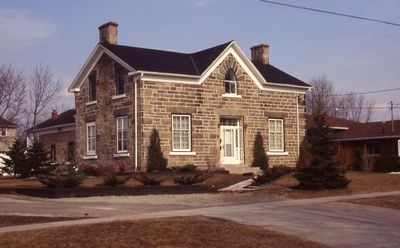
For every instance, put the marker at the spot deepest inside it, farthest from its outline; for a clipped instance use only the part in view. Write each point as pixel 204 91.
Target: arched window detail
pixel 230 82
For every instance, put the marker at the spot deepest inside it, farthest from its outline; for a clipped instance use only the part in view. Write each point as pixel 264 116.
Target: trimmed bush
pixel 114 180
pixel 149 180
pixel 72 180
pixel 190 179
pixel 187 168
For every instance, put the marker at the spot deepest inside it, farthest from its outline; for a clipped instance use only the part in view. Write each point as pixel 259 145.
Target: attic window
pixel 92 88
pixel 230 82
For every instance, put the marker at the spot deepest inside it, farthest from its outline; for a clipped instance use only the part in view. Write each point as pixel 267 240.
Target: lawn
pixel 361 182
pixel 392 201
pixel 12 220
pixel 166 232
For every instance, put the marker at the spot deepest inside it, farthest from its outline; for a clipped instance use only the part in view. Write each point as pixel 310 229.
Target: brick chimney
pixel 260 53
pixel 54 115
pixel 108 33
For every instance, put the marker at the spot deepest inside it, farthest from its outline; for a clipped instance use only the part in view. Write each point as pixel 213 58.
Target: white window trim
pixel 121 155
pixel 398 148
pixel 91 103
pixel 283 137
pixel 118 96
pixel 182 153
pixel 190 133
pixel 277 153
pixel 231 95
pixel 91 157
pixel 122 151
pixel 90 153
pixel 231 81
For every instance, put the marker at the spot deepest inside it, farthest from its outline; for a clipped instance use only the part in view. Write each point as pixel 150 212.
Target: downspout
pixel 298 125
pixel 136 77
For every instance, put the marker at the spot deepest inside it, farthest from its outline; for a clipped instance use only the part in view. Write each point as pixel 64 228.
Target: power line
pixel 331 12
pixel 366 92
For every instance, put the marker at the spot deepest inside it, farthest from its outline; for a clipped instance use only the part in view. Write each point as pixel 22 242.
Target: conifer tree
pixel 260 158
pixel 16 164
pixel 37 159
pixel 322 172
pixel 155 157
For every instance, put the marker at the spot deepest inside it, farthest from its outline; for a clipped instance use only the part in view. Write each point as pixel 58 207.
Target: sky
pixel 356 55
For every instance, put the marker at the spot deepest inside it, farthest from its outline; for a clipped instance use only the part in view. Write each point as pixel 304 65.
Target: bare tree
pixel 325 97
pixel 43 91
pixel 12 93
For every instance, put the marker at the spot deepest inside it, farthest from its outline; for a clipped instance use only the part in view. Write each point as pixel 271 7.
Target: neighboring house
pixel 207 106
pixel 371 139
pixel 8 135
pixel 58 136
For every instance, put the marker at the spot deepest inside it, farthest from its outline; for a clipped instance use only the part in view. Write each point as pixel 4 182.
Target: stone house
pixel 207 106
pixel 58 136
pixel 8 135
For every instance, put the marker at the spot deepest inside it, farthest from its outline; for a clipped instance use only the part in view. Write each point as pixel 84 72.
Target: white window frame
pixel 190 132
pixel 269 135
pixel 398 148
pixel 5 131
pixel 121 118
pixel 230 82
pixel 88 125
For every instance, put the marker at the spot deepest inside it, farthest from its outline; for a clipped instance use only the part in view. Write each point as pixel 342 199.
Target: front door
pixel 231 136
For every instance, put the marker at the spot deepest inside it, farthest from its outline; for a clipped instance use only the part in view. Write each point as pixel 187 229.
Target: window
pixel 230 82
pixel 122 134
pixel 119 82
pixel 91 138
pixel 181 136
pixel 398 148
pixel 372 149
pixel 3 132
pixel 276 143
pixel 71 151
pixel 53 153
pixel 92 88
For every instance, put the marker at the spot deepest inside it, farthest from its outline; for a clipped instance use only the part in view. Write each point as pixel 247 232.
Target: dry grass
pixel 12 220
pixel 167 232
pixel 361 182
pixel 10 182
pixel 392 201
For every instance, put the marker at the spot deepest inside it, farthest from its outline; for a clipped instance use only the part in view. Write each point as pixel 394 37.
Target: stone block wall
pixel 206 105
pixel 61 141
pixel 104 113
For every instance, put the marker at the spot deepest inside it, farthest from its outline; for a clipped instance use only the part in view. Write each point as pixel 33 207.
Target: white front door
pixel 231 141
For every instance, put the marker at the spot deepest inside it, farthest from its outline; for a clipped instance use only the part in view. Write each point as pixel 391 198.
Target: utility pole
pixel 391 112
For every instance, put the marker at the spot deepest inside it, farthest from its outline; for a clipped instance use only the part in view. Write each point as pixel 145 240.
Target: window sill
pixel 231 95
pixel 118 96
pixel 89 157
pixel 182 153
pixel 278 153
pixel 121 155
pixel 91 103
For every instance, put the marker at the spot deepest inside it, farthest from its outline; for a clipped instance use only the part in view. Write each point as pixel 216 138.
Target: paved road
pixel 324 220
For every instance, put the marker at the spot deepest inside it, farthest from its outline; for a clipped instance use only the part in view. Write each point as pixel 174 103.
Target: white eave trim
pixel 65 128
pixel 370 138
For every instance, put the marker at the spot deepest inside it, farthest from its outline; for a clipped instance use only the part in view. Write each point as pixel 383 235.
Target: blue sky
pixel 356 55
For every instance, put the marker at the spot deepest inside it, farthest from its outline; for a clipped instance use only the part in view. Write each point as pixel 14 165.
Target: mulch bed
pixel 108 191
pixel 12 220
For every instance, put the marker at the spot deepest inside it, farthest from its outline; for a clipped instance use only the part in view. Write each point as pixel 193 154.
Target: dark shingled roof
pixel 5 123
pixel 190 63
pixel 67 117
pixel 359 130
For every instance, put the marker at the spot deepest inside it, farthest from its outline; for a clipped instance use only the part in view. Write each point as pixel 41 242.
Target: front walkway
pixel 339 224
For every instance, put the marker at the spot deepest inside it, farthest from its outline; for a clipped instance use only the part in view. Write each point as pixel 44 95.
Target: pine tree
pixel 37 159
pixel 260 158
pixel 323 171
pixel 155 157
pixel 16 165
